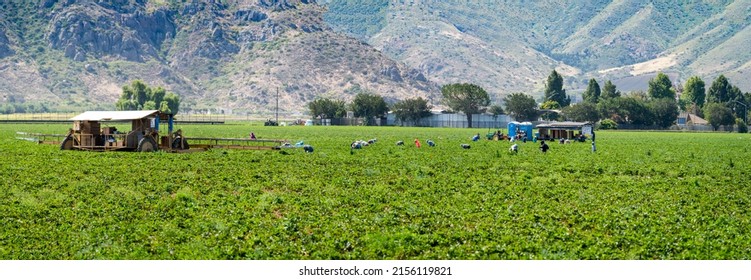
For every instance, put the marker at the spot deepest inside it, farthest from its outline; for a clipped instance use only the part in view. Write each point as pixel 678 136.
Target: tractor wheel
pixel 146 145
pixel 177 141
pixel 67 143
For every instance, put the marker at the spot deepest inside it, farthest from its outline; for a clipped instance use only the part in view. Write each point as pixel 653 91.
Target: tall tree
pixel 721 91
pixel 550 105
pixel 521 106
pixel 141 91
pixel 412 110
pixel 638 95
pixel 746 100
pixel 626 110
pixel 467 98
pixel 149 105
pixel 170 104
pixel 638 112
pixel 718 114
pixel 554 90
pixel 592 94
pixel 157 95
pixel 368 106
pixel 661 87
pixel 139 96
pixel 327 108
pixel 496 110
pixel 694 92
pixel 610 108
pixel 125 103
pixel 609 91
pixel 664 111
pixel 582 112
pixel 736 94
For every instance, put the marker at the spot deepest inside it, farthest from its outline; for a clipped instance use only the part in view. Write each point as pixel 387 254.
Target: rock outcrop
pixel 5 49
pixel 98 31
pixel 228 54
pixel 281 5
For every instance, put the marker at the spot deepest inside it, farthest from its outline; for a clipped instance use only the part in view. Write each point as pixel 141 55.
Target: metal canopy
pixel 564 125
pixel 114 115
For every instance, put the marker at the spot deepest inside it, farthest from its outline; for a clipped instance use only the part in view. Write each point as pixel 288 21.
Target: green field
pixel 642 195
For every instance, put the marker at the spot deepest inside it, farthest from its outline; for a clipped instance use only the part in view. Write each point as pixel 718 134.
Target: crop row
pixel 640 196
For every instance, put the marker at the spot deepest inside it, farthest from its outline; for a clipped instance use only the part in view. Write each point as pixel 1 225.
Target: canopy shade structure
pixel 114 115
pixel 564 130
pixel 564 125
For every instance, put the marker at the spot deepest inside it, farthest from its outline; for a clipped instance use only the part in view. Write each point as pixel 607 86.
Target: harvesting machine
pixel 92 131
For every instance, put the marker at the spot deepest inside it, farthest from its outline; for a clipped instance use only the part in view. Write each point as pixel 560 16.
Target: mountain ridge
pixel 233 56
pixel 227 56
pixel 619 40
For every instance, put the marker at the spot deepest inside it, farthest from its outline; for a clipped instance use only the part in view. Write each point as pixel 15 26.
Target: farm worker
pixel 417 142
pixel 252 136
pixel 356 145
pixel 544 147
pixel 514 148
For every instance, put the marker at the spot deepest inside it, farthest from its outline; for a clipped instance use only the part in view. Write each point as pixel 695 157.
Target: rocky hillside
pixel 235 55
pixel 231 56
pixel 511 46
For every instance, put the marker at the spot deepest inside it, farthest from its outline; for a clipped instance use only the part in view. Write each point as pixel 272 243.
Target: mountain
pixel 231 56
pixel 235 55
pixel 511 46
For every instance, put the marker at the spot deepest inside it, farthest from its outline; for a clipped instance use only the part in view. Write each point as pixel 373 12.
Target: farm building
pixel 690 119
pixel 439 119
pixel 565 130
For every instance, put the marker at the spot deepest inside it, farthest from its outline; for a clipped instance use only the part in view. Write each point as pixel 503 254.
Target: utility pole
pixel 277 105
pixel 745 110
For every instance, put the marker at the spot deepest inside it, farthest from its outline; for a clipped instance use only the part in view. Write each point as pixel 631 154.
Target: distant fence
pixel 342 121
pixel 201 118
pixel 65 117
pixel 726 128
pixel 455 120
pixel 436 120
pixel 461 124
pixel 37 116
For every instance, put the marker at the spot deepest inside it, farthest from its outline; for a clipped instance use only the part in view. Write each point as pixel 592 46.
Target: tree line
pixel 722 104
pixel 467 98
pixel 139 96
pixel 369 105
